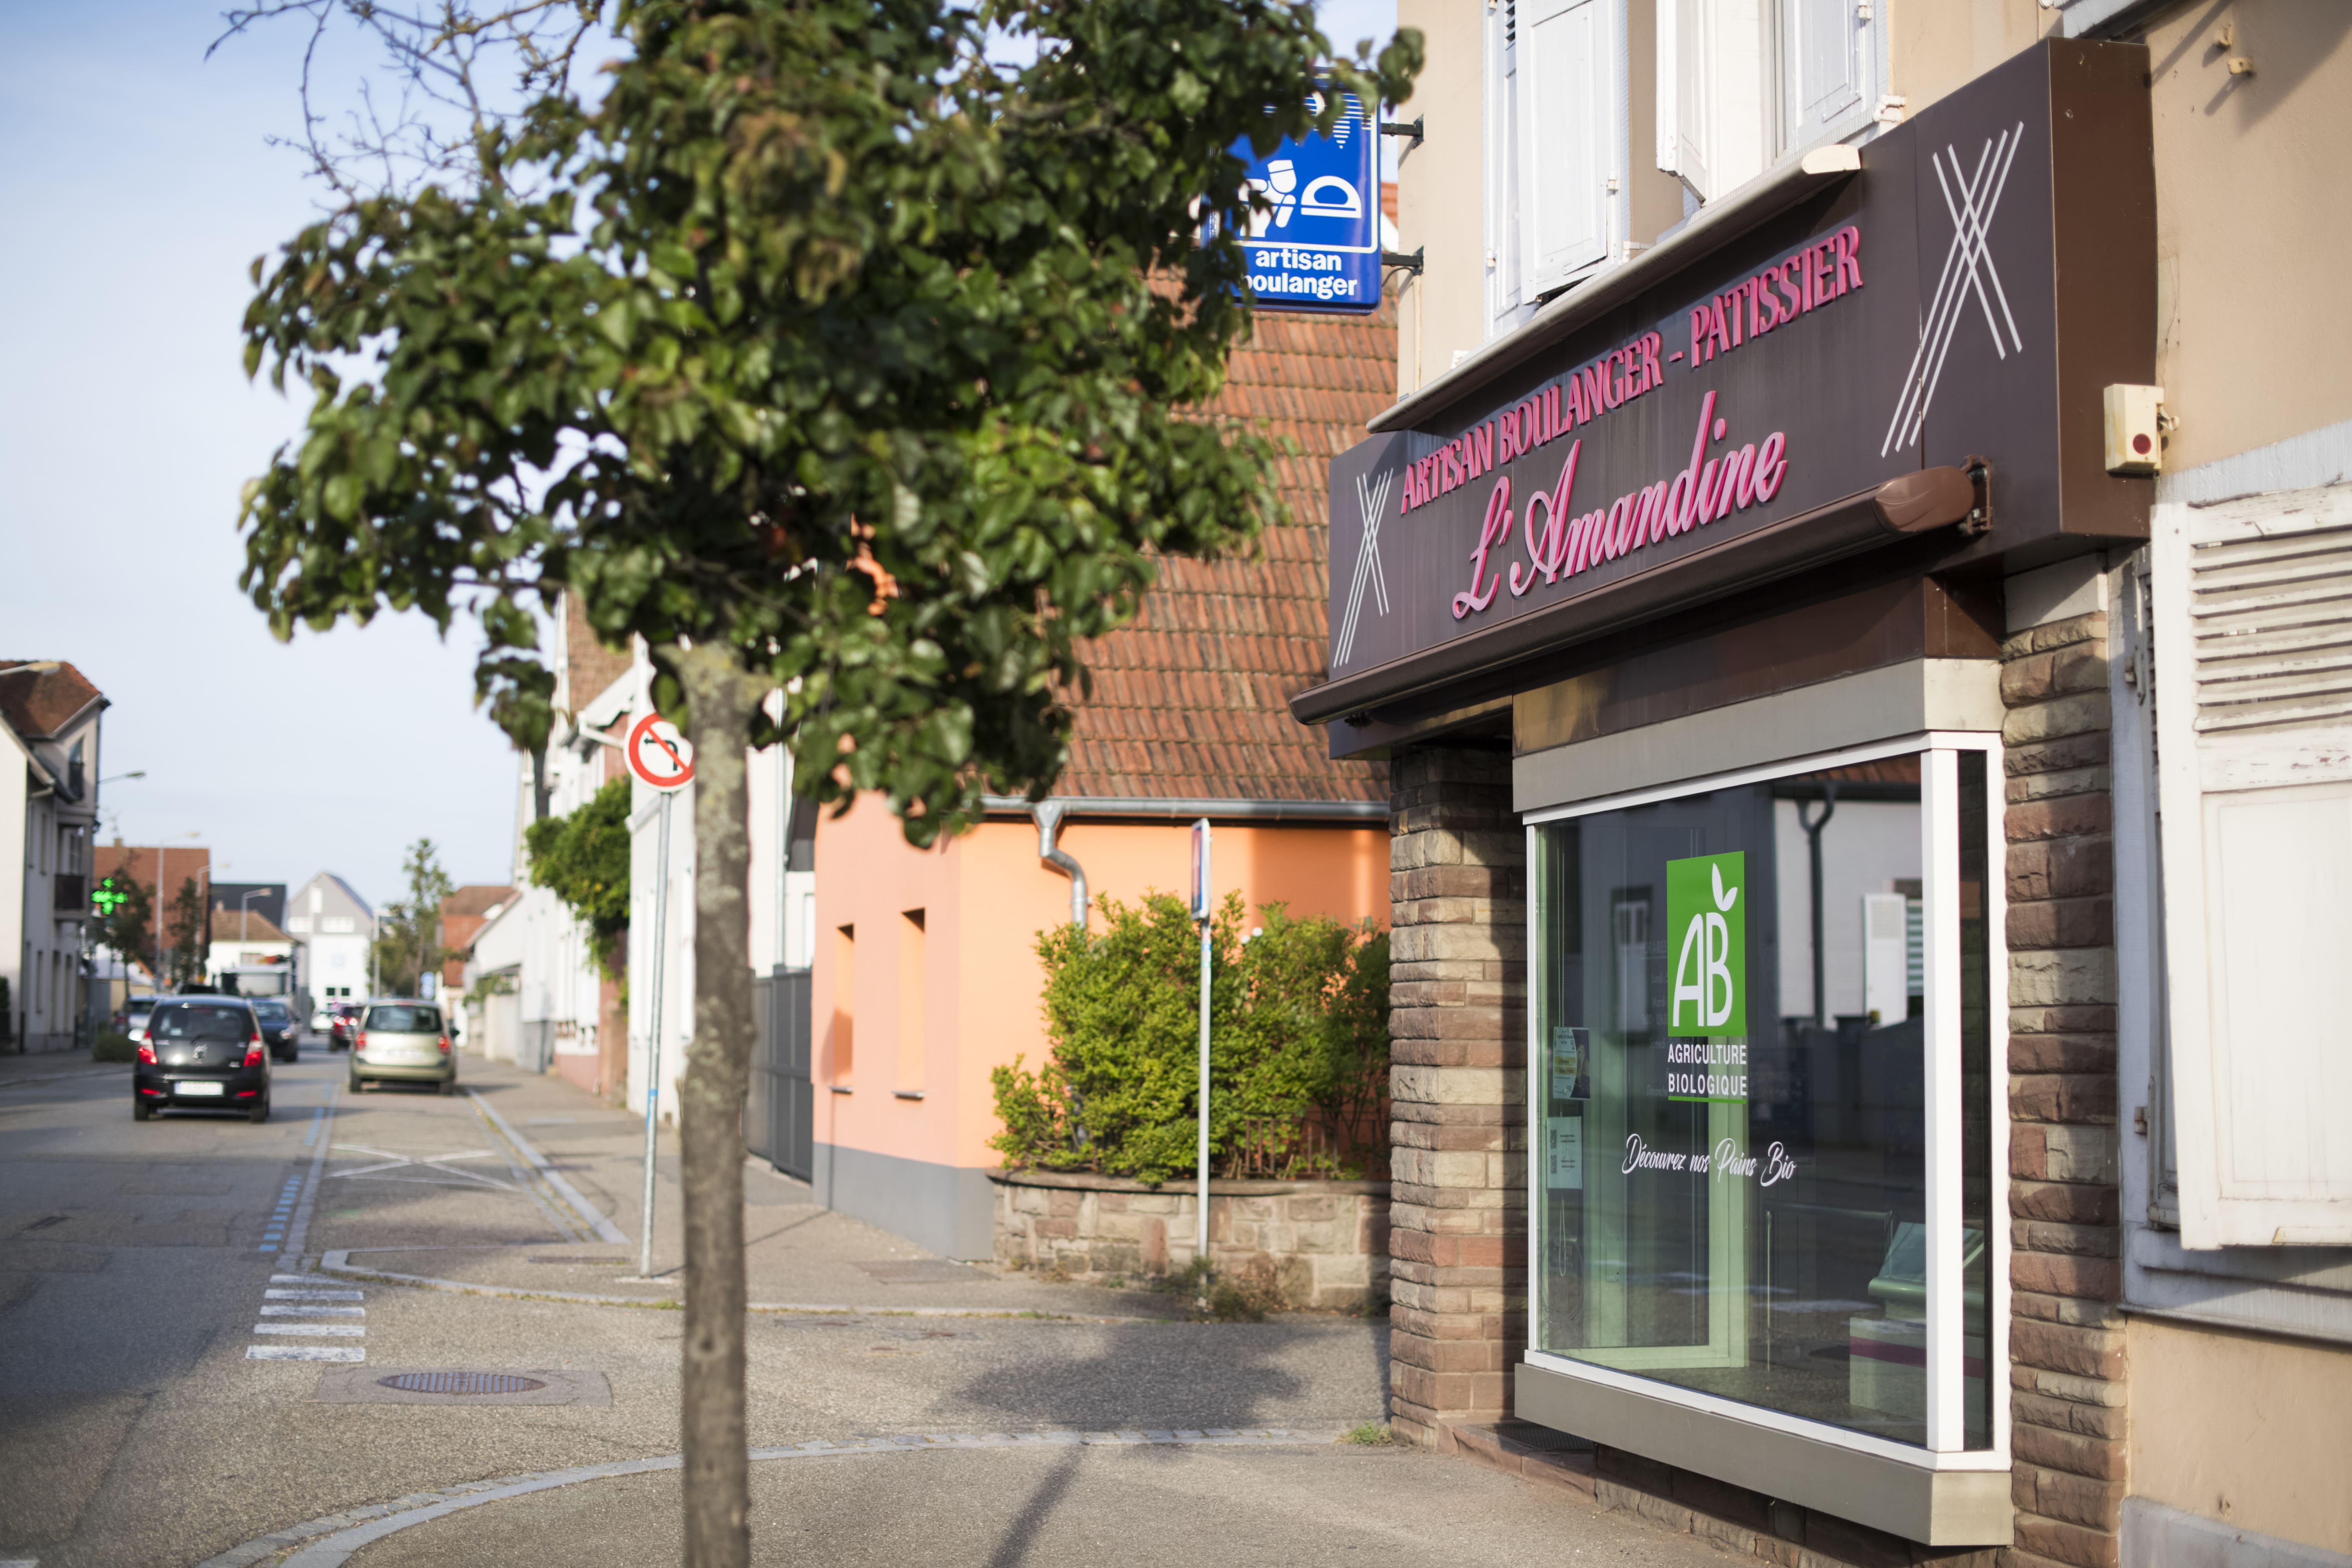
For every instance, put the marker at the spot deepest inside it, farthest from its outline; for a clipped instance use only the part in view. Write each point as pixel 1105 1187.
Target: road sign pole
pixel 654 1037
pixel 1203 907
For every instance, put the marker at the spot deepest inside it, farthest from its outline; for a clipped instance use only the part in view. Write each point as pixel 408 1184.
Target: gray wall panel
pixel 949 1209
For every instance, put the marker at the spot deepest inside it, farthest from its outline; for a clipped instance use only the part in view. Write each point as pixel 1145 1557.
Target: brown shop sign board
pixel 1915 316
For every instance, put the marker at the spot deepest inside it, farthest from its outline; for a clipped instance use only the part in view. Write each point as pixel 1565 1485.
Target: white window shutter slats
pixel 2253 613
pixel 1567 93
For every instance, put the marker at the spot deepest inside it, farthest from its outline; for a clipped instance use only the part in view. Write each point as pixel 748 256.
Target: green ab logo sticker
pixel 1707 922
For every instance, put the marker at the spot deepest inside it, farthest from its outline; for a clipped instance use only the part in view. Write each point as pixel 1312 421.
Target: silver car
pixel 403 1041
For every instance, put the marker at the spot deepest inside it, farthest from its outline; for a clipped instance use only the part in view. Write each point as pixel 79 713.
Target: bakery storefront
pixel 1719 545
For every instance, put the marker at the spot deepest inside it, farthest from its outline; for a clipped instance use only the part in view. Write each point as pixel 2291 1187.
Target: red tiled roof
pixel 1190 698
pixel 40 696
pixel 244 925
pixel 476 897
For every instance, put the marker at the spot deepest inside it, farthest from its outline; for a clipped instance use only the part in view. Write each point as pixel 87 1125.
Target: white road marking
pixel 300 1231
pixel 314 1295
pixel 603 1230
pixel 301 1353
pixel 392 1162
pixel 314 1311
pixel 326 1330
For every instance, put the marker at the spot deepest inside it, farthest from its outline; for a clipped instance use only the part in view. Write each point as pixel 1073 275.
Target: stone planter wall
pixel 1326 1242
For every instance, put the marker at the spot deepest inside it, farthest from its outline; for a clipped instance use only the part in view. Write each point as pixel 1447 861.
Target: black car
pixel 202 1053
pixel 278 1029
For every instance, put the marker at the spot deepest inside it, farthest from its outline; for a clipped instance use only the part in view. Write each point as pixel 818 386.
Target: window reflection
pixel 1731 1091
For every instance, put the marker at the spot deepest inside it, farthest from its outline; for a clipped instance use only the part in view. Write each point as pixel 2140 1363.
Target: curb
pixel 330 1539
pixel 338 1263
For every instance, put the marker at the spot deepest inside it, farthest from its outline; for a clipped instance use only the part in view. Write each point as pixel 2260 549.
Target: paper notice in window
pixel 1569 1049
pixel 1564 1153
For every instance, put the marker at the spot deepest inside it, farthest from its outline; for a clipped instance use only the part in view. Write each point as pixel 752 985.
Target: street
pixel 199 1314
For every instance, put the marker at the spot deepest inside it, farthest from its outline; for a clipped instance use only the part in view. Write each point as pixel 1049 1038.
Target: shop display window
pixel 1762 1094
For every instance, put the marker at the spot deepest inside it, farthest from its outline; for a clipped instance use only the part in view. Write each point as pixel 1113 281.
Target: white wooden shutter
pixel 2253 650
pixel 1833 67
pixel 1503 242
pixel 1714 104
pixel 1686 57
pixel 1567 91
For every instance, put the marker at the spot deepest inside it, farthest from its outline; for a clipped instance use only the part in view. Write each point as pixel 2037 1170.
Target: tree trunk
pixel 711 1123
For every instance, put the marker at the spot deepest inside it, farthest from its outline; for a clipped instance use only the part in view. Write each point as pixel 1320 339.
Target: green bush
pixel 113 1046
pixel 1299 1041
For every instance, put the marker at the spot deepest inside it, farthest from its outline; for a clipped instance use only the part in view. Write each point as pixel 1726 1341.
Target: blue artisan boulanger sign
pixel 1320 247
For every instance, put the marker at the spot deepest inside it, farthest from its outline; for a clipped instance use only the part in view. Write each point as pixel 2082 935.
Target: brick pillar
pixel 1457 1087
pixel 2067 1340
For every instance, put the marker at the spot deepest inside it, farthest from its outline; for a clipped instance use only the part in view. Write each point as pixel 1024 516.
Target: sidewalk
pixel 797 1254
pixel 51 1067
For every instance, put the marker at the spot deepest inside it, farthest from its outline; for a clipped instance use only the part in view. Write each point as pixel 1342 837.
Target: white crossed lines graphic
pixel 434 1162
pixel 1372 497
pixel 1968 270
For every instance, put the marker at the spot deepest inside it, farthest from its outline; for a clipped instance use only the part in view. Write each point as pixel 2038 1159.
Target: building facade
pixel 336 928
pixel 49 790
pixel 164 871
pixel 925 977
pixel 1857 548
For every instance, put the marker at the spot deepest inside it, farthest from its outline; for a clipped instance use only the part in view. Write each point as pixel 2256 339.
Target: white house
pixel 556 1013
pixel 49 789
pixel 260 959
pixel 335 924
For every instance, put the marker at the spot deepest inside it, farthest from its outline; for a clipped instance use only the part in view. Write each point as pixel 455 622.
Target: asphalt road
pixel 181 1383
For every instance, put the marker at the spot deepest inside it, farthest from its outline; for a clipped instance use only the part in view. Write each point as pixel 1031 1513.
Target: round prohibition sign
pixel 660 755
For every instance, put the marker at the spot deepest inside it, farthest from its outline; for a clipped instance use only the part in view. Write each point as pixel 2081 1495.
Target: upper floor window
pixel 1742 82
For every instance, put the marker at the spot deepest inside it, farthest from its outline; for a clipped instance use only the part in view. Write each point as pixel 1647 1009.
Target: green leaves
pixel 818 339
pixel 1297 1016
pixel 582 858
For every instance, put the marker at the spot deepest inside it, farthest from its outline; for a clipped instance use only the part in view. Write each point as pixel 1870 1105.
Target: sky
pixel 139 185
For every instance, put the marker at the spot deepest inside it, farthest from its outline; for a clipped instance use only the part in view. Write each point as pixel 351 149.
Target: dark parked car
pixel 278 1029
pixel 202 1053
pixel 344 1021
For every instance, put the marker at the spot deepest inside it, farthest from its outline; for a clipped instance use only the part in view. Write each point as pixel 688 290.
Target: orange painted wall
pixel 984 897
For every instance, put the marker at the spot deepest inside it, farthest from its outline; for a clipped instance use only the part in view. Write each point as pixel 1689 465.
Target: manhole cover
pixel 461 1382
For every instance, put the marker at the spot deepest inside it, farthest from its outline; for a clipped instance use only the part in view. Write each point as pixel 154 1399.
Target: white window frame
pixel 1946 1415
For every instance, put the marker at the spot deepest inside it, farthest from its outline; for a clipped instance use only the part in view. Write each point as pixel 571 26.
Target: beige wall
pixel 1441 192
pixel 1936 46
pixel 2252 1431
pixel 2254 220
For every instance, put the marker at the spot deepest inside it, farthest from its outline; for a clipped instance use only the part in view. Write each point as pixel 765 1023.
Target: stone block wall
pixel 1457 1087
pixel 2067 1337
pixel 1325 1243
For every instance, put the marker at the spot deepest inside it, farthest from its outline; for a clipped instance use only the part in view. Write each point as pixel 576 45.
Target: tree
pixel 582 858
pixel 829 355
pixel 408 933
pixel 189 934
pixel 128 923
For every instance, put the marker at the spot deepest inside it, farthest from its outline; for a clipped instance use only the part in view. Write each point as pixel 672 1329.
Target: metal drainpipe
pixel 1813 848
pixel 1048 815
